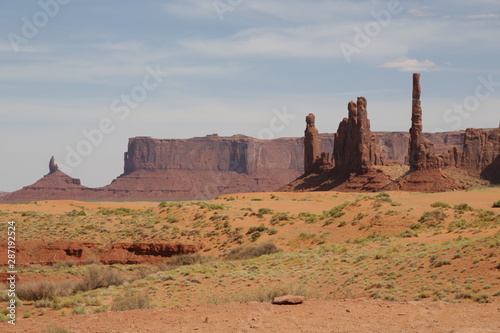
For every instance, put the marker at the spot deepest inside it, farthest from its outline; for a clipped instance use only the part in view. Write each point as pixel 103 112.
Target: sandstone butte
pixel 206 167
pixel 357 152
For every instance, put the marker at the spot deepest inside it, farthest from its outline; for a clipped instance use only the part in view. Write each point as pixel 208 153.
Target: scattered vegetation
pixel 56 329
pixel 263 211
pixel 131 300
pixel 251 251
pixel 433 218
pixel 185 260
pixel 440 204
pixel 462 208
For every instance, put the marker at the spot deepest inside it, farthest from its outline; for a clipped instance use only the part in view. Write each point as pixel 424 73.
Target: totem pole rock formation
pixel 53 167
pixel 355 146
pixel 312 145
pixel 421 151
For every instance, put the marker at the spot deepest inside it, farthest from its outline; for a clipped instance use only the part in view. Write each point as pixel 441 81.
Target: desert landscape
pixel 250 166
pixel 353 242
pixel 429 261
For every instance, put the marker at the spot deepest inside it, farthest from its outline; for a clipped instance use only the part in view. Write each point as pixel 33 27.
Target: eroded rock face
pixel 481 153
pixel 356 147
pixel 53 167
pixel 41 253
pixel 135 253
pixel 312 145
pixel 421 151
pixel 481 148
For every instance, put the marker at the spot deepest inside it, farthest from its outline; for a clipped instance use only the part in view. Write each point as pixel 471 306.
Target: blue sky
pixel 230 67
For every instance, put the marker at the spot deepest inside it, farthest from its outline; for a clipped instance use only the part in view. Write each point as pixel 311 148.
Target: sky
pixel 80 77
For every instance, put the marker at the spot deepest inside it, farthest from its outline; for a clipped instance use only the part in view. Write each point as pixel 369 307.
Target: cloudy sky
pixel 80 77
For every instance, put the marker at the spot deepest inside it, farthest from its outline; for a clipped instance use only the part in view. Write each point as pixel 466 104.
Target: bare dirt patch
pixel 312 316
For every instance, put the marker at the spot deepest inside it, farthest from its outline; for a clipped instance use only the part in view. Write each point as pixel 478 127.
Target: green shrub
pixel 199 216
pixel 79 310
pixel 496 204
pixel 55 329
pixel 186 260
pixel 265 211
pixel 260 228
pixel 279 217
pixel 42 303
pixel 433 218
pixel 336 211
pixel 251 251
pixel 408 233
pixel 462 224
pixel 383 197
pixel 483 298
pixel 131 300
pixel 306 236
pixel 99 309
pixel 272 231
pixel 117 211
pixel 172 219
pixel 463 207
pixel 169 204
pixel 440 204
pixel 255 236
pixel 75 213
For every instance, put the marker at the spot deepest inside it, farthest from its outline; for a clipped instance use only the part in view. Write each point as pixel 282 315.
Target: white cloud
pixel 405 64
pixel 191 9
pixel 422 12
pixel 306 42
pixel 290 10
pixel 119 46
pixel 482 16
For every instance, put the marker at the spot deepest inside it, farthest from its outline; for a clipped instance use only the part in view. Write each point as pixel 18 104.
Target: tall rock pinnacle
pixel 421 151
pixel 53 167
pixel 312 144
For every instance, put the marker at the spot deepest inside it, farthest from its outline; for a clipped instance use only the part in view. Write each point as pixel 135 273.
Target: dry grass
pixel 251 251
pixel 131 300
pixel 100 277
pixel 34 291
pixel 266 294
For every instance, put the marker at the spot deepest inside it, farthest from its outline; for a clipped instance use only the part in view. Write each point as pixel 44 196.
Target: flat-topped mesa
pixel 355 146
pixel 312 145
pixel 53 167
pixel 421 151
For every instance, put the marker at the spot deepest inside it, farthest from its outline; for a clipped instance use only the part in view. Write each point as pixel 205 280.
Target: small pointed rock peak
pixel 53 167
pixel 310 119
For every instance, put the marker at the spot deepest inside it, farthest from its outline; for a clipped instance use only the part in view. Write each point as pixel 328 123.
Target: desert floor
pixel 366 262
pixel 356 316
